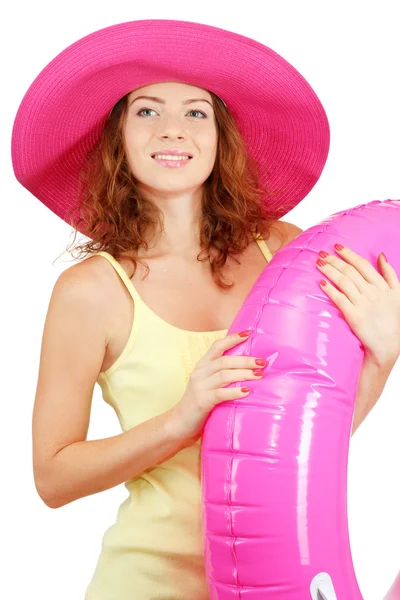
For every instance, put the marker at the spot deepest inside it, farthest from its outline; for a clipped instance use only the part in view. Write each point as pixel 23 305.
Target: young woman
pixel 175 245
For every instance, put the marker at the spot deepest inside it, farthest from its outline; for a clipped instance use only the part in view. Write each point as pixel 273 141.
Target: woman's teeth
pixel 170 157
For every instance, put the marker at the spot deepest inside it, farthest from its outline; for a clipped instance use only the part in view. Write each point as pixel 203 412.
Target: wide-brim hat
pixel 62 114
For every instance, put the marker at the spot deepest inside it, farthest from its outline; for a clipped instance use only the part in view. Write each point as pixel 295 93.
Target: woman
pixel 181 245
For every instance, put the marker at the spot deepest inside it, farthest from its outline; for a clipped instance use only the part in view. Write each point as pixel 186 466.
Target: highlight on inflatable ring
pixel 274 464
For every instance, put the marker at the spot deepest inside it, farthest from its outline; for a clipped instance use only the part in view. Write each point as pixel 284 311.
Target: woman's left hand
pixel 369 301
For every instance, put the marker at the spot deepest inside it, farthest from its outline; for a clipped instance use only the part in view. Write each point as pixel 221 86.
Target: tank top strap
pixel 122 273
pixel 263 247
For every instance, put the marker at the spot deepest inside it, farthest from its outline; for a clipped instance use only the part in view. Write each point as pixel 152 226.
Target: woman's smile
pixel 174 163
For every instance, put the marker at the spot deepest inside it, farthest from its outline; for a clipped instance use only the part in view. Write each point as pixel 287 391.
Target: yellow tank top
pixel 154 549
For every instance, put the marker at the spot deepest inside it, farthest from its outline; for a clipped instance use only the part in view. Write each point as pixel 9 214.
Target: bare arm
pixel 92 466
pixel 66 465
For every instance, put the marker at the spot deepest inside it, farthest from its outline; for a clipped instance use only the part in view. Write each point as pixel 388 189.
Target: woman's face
pixel 170 123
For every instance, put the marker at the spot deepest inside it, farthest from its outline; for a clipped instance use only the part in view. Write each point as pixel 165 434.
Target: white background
pixel 349 51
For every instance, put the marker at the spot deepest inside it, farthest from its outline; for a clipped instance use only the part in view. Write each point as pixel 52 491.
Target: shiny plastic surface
pixel 274 464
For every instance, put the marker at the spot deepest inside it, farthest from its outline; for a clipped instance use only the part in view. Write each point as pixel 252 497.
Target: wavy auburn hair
pixel 118 217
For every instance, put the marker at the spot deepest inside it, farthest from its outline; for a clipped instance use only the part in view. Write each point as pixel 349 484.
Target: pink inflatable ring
pixel 274 464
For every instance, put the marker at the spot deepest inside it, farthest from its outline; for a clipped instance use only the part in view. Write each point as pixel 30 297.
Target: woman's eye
pixel 152 109
pixel 143 109
pixel 198 111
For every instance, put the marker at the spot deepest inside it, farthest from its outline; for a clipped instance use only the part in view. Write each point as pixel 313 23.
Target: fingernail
pixel 384 257
pixel 244 333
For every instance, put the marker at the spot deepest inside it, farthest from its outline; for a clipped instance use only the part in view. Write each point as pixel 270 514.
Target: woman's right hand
pixel 206 387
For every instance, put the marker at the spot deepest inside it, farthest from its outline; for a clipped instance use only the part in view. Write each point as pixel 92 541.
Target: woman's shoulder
pixel 280 234
pixel 88 273
pixel 288 230
pixel 85 284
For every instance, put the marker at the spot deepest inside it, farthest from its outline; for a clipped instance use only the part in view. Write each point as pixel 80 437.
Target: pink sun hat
pixel 64 110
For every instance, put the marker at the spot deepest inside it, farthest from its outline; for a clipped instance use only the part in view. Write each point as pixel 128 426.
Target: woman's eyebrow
pixel 161 101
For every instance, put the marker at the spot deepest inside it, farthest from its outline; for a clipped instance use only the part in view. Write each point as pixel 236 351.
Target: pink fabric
pixel 274 464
